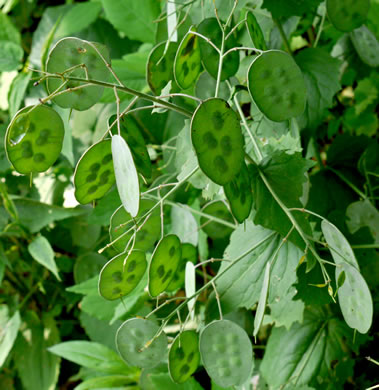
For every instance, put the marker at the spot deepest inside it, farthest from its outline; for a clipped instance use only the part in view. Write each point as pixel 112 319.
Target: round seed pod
pixel 255 32
pixel 226 352
pixel 69 53
pixel 160 68
pixel 135 344
pixel 277 86
pixel 34 139
pixel 210 58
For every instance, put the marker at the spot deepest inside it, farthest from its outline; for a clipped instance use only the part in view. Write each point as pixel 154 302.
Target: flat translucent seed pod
pixel 255 32
pixel 131 132
pixel 209 56
pixel 34 139
pixel 134 343
pixel 366 45
pixel 187 66
pixel 346 15
pixel 160 67
pixel 184 356
pixel 238 192
pixel 70 53
pixel 189 253
pixel 217 140
pixel 94 173
pixel 226 353
pixel 121 222
pixel 214 229
pixel 163 264
pixel 121 275
pixel 277 86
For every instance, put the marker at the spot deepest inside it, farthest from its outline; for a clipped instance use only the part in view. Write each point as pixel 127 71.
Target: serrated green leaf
pixel 305 351
pixel 321 74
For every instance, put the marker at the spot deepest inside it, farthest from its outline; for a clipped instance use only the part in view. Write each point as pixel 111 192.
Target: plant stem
pixel 220 61
pixel 128 90
pixel 320 29
pixel 348 182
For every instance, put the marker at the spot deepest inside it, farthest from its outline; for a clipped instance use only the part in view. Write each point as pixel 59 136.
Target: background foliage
pixel 56 331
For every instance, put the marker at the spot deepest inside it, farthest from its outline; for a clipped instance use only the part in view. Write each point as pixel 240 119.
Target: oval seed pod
pixel 163 264
pixel 160 68
pixel 94 173
pixel 184 356
pixel 217 140
pixel 366 45
pixel 187 66
pixel 255 32
pixel 135 344
pixel 238 192
pixel 34 139
pixel 277 86
pixel 121 275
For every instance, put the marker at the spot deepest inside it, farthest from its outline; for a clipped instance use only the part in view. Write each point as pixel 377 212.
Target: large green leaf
pixel 133 18
pixel 35 215
pixel 37 368
pixel 91 355
pixel 241 285
pixel 306 351
pixel 286 176
pixel 10 56
pixel 321 74
pixel 289 8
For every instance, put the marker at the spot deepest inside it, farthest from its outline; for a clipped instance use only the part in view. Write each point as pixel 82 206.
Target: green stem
pixel 284 37
pixel 220 61
pixel 348 182
pixel 366 246
pixel 130 91
pixel 320 29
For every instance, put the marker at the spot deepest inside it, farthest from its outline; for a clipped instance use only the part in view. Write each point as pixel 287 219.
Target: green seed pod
pixel 209 56
pixel 238 192
pixel 121 275
pixel 277 86
pixel 255 32
pixel 187 66
pixel 94 173
pixel 226 352
pixel 217 140
pixel 163 264
pixel 189 253
pixel 160 69
pixel 135 344
pixel 34 139
pixel 72 52
pixel 184 356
